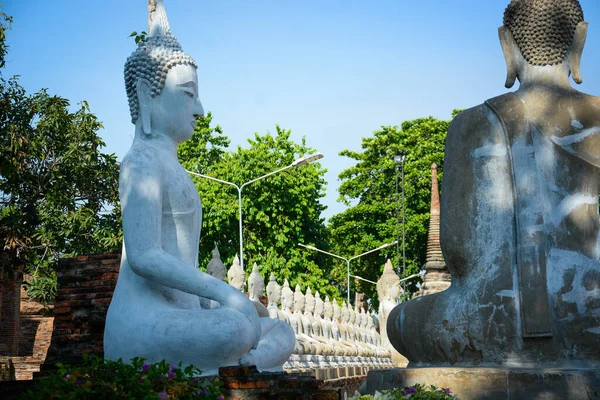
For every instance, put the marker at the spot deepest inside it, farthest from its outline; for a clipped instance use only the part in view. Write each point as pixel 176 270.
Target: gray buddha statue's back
pixel 519 213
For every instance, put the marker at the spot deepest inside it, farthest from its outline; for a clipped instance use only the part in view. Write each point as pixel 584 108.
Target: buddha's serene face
pixel 175 109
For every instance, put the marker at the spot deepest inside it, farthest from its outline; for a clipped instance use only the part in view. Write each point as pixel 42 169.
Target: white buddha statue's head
pixel 287 296
pixel 388 280
pixel 162 84
pixel 236 275
pixel 216 267
pixel 309 302
pixel 345 313
pixel 298 300
pixel 256 283
pixel 337 311
pixel 328 307
pixel 319 306
pixel 273 291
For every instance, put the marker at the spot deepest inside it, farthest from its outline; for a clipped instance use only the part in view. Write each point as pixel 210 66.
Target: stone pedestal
pixel 495 383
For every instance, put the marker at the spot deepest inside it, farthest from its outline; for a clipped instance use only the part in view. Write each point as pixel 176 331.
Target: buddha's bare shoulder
pixel 472 123
pixel 143 158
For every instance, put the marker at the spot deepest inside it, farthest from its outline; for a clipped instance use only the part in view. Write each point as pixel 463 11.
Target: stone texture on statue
pixel 437 277
pixel 236 275
pixel 519 214
pixel 216 267
pixel 156 312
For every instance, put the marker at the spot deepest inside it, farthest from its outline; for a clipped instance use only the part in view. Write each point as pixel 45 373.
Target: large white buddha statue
pixel 156 310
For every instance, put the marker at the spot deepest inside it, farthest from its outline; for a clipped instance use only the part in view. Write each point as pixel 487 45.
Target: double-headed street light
pixel 298 163
pixel 348 260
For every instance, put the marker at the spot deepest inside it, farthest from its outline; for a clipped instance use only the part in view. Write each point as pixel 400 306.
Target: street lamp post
pixel 299 162
pixel 348 260
pixel 399 160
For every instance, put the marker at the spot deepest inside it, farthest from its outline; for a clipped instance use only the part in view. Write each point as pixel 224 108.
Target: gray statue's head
pixel 153 59
pixel 273 291
pixel 542 33
pixel 543 29
pixel 256 283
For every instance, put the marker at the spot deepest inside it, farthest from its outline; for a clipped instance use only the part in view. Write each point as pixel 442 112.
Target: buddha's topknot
pixel 543 29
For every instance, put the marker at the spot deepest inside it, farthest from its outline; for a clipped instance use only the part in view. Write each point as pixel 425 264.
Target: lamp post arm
pixel 215 179
pixel 323 251
pixel 363 279
pixel 374 250
pixel 266 176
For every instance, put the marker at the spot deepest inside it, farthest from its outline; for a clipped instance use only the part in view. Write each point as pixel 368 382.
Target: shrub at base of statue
pixel 104 379
pixel 416 392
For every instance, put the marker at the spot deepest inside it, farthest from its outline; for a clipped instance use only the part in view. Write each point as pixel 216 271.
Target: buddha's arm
pixel 141 185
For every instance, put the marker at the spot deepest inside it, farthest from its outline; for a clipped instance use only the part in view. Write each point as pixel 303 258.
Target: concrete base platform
pixel 494 383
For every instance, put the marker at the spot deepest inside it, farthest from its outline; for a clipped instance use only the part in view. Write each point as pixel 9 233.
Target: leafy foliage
pixel 278 212
pixel 101 379
pixel 138 37
pixel 58 191
pixel 416 392
pixel 369 189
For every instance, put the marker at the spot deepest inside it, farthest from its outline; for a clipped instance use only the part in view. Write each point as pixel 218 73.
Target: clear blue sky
pixel 331 70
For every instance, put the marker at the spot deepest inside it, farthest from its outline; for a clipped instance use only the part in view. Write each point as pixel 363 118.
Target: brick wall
pixel 85 289
pixel 37 323
pixel 248 384
pixel 10 315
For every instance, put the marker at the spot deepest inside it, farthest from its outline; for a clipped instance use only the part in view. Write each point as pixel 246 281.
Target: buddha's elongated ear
pixel 508 43
pixel 144 96
pixel 576 51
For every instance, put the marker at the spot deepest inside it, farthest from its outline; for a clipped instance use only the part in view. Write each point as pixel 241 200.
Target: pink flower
pixel 171 375
pixel 145 367
pixel 163 395
pixel 447 390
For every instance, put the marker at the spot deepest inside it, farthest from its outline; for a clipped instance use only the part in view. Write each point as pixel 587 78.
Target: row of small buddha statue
pixel 327 335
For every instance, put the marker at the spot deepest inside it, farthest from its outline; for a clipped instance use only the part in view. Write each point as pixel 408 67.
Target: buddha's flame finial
pixel 160 22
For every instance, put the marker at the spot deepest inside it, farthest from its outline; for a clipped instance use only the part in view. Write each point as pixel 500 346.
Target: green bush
pixel 417 392
pixel 100 379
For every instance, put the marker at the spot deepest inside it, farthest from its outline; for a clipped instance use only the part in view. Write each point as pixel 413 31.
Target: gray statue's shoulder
pixel 472 126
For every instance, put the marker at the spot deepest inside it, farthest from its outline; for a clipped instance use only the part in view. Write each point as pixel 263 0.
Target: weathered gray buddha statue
pixel 156 310
pixel 519 213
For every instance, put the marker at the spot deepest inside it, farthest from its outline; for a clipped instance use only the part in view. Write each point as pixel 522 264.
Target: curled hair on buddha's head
pixel 152 59
pixel 543 29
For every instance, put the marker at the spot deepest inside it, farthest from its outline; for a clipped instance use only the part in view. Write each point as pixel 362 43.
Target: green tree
pixel 58 191
pixel 369 189
pixel 278 212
